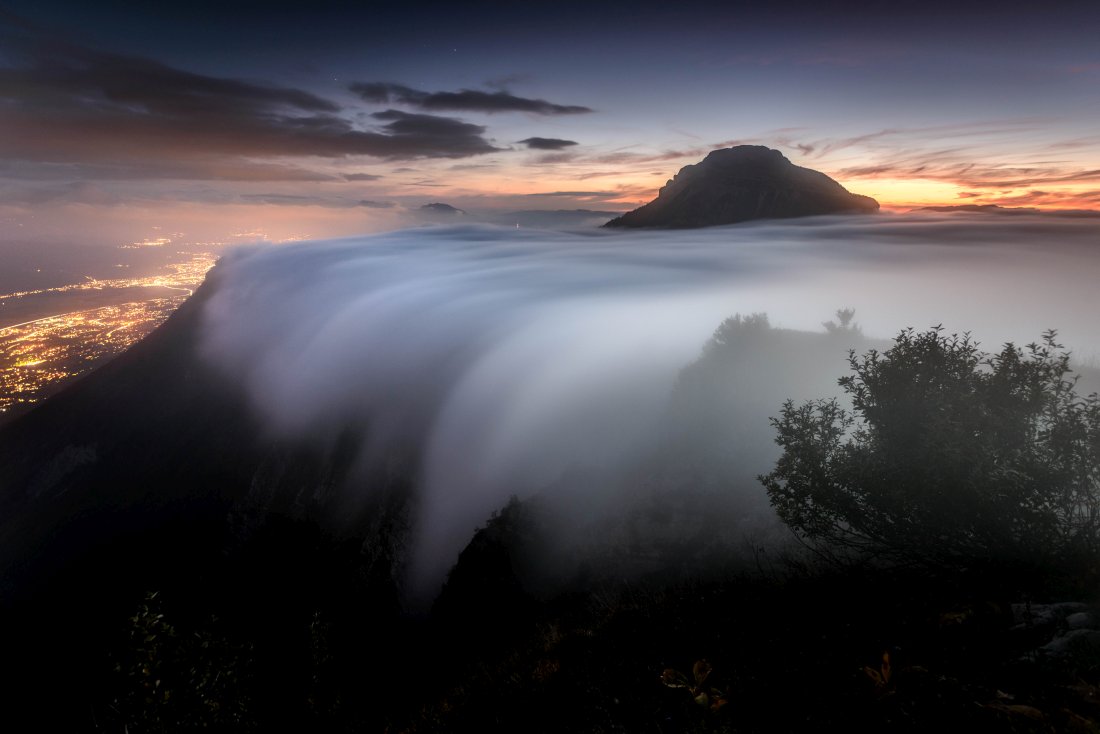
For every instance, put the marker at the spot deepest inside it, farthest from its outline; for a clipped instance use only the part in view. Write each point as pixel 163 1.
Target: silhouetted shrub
pixel 169 680
pixel 843 323
pixel 737 328
pixel 949 456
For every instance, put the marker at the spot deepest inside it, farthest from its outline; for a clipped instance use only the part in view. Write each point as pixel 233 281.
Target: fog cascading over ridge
pixel 508 356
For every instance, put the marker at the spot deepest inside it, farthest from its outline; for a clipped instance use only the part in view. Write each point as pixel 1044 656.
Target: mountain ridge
pixel 740 184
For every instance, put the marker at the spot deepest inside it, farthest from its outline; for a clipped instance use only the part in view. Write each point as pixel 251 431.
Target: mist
pixel 507 358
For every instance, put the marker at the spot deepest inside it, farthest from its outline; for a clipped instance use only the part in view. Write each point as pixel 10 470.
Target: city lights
pixel 37 357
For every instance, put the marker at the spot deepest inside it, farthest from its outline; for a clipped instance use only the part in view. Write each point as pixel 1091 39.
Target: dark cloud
pixel 361 177
pixel 473 166
pixel 429 136
pixel 468 100
pixel 376 204
pixel 53 69
pixel 411 123
pixel 547 143
pixel 623 156
pixel 71 105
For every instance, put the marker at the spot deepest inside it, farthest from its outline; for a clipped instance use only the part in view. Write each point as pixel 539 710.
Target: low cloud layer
pixel 510 356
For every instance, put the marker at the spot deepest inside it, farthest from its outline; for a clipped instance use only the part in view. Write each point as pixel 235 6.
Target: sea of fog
pixel 510 355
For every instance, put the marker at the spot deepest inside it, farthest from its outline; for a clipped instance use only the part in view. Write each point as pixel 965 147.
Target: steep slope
pixel 152 474
pixel 743 183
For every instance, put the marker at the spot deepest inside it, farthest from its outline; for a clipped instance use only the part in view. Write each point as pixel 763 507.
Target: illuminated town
pixel 37 357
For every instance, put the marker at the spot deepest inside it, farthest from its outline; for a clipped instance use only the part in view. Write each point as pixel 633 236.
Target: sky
pixel 322 119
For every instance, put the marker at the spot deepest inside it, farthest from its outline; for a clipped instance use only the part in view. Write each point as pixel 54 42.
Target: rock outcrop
pixel 743 183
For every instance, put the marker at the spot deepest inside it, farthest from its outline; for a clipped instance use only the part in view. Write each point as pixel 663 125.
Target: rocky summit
pixel 743 183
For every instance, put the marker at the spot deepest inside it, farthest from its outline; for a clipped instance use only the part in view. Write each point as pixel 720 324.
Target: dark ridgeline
pixel 740 184
pixel 152 474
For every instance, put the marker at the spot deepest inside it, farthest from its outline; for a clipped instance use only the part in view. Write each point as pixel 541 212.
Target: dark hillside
pixel 152 474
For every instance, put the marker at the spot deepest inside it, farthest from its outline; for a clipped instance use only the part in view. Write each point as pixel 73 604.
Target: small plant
pixel 843 323
pixel 882 677
pixel 167 679
pixel 712 698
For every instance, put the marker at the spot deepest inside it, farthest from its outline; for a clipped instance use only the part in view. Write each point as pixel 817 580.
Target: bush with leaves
pixel 949 456
pixel 168 680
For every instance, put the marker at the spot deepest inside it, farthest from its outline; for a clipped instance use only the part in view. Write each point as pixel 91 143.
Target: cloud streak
pixel 465 100
pixel 275 199
pixel 619 193
pixel 547 143
pixel 212 169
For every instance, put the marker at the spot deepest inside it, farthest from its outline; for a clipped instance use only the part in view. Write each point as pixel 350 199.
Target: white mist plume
pixel 508 356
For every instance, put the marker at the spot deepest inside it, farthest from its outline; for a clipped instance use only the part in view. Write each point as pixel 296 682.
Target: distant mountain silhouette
pixel 743 183
pixel 442 209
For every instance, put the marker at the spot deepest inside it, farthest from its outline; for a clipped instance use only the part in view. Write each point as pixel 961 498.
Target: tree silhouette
pixel 843 323
pixel 948 456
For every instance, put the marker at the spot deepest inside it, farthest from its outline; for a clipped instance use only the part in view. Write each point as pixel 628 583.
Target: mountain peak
pixel 742 183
